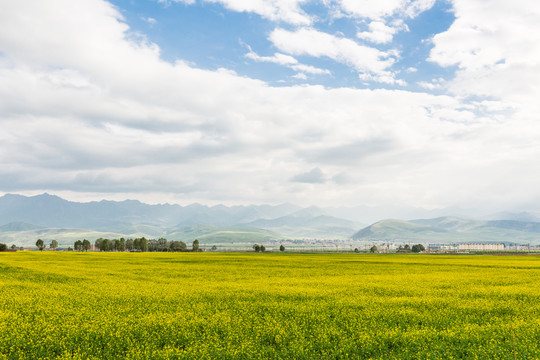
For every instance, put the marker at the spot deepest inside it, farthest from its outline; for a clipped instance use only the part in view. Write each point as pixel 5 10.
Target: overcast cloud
pixel 90 109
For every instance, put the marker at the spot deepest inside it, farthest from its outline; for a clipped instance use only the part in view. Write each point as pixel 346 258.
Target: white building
pixel 482 247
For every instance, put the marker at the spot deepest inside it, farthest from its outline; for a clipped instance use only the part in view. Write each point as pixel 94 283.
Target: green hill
pixel 452 230
pixel 206 234
pixel 220 235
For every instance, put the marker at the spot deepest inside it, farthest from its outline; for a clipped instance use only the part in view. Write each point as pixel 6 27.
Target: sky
pixel 388 103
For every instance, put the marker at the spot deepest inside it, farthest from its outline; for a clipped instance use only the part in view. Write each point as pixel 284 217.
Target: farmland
pixel 245 306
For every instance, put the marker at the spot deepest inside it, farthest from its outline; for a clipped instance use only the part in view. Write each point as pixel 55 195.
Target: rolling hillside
pixel 451 229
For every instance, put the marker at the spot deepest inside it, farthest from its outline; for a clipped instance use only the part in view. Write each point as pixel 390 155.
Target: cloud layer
pixel 86 107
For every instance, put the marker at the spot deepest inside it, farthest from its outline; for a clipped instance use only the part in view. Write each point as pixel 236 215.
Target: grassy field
pixel 268 306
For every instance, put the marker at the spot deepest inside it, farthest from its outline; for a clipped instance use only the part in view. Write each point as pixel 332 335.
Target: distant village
pixel 305 245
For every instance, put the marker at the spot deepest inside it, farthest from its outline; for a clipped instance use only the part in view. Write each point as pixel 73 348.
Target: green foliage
pixel 291 306
pixel 140 244
pixel 373 249
pixel 40 244
pixel 78 246
pixel 257 247
pixel 418 248
pixel 195 245
pixel 281 248
pixel 85 246
pixel 3 247
pixel 177 246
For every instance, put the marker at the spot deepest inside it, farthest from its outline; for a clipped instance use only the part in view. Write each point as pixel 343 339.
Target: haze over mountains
pixel 23 219
pixel 49 215
pixel 451 230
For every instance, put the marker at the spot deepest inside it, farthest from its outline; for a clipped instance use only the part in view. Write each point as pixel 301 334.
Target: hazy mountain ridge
pixel 451 230
pixel 49 216
pixel 53 211
pixel 23 219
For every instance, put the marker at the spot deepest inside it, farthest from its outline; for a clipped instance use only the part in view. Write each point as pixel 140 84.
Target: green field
pixel 268 306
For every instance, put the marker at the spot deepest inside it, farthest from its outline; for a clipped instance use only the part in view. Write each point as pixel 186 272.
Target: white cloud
pixel 496 48
pixel 310 69
pixel 85 108
pixel 278 58
pixel 288 61
pixel 428 85
pixel 384 8
pixel 383 78
pixel 275 10
pixel 314 176
pixel 151 21
pixel 416 7
pixel 378 33
pixel 434 84
pixel 300 76
pixel 373 63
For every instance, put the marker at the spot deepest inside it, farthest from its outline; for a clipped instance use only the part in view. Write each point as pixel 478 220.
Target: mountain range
pixel 49 216
pixel 23 219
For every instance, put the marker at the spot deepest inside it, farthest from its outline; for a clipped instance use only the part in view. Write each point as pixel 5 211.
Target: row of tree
pixel 162 244
pixel 261 248
pixel 407 248
pixel 415 248
pixel 40 244
pixel 139 244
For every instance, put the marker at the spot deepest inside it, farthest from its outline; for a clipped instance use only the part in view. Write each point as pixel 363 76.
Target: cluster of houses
pixel 462 247
pixel 465 247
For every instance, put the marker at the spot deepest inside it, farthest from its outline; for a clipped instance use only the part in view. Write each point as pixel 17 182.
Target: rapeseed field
pixel 57 305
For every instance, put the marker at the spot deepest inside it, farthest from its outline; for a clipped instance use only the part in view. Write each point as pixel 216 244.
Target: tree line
pixel 138 244
pixel 40 244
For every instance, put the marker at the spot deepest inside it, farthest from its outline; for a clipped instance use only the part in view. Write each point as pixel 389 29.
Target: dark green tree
pixel 177 246
pixel 106 245
pixel 373 249
pixel 144 244
pixel 40 244
pixel 140 244
pixel 195 245
pixel 281 248
pixel 54 244
pixel 263 249
pixel 162 244
pixel 418 248
pixel 86 245
pixel 78 246
pixel 137 244
pixel 257 247
pixel 129 245
pixel 3 247
pixel 122 246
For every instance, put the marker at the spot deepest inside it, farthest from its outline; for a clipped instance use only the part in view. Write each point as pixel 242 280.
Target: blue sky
pixel 389 104
pixel 212 36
